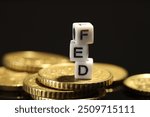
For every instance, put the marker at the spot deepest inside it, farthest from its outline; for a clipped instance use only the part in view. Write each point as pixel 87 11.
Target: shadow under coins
pixel 14 95
pixel 120 92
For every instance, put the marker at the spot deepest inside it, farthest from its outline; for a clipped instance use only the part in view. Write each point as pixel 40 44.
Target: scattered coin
pixel 139 83
pixel 31 61
pixel 11 80
pixel 61 76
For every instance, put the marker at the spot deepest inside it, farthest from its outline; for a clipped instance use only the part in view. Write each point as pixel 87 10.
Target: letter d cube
pixel 83 70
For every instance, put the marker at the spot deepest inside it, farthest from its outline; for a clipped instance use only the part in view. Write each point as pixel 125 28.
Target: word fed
pixel 82 34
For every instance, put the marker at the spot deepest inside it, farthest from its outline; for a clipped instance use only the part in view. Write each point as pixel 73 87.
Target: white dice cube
pixel 83 33
pixel 78 52
pixel 84 69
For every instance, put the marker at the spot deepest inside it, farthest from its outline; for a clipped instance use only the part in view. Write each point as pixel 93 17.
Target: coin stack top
pixel 119 73
pixel 61 76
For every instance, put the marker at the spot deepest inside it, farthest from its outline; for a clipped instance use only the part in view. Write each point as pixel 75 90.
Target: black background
pixel 121 30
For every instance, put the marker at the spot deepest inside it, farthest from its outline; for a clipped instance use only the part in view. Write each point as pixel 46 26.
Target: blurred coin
pixel 31 61
pixel 61 76
pixel 11 80
pixel 33 87
pixel 139 83
pixel 119 73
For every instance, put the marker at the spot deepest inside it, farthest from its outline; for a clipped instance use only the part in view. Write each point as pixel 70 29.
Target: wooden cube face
pixel 83 33
pixel 83 70
pixel 78 52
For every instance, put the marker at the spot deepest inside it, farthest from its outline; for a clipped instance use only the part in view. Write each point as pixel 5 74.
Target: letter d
pixel 82 70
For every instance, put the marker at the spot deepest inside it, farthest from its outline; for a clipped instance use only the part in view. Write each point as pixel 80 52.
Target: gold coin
pixel 139 83
pixel 33 87
pixel 11 80
pixel 98 96
pixel 119 73
pixel 31 61
pixel 61 76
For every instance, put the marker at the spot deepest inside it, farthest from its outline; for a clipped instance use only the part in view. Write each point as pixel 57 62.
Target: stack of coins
pixel 18 65
pixel 46 76
pixel 58 82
